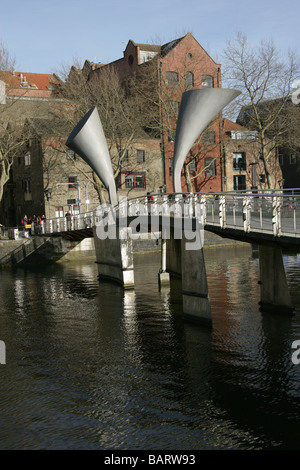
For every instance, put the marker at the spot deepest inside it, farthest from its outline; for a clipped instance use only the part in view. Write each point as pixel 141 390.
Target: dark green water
pixel 89 366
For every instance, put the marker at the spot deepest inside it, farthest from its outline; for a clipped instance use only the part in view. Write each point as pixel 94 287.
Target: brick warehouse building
pixel 226 156
pixel 177 66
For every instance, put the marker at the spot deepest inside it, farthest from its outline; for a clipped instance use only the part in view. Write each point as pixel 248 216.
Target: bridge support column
pixel 115 257
pixel 196 303
pixel 190 266
pixel 275 294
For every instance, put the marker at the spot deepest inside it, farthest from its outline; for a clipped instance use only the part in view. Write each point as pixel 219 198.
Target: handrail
pixel 276 212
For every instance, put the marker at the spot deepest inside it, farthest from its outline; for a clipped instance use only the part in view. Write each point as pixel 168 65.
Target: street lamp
pixel 86 196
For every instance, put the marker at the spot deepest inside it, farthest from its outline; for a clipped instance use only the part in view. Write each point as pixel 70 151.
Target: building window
pixel 140 156
pixel 239 161
pixel 206 81
pixel 171 78
pixel 281 157
pixel 292 159
pixel 135 180
pixel 72 180
pixel 239 182
pixel 192 163
pixel 262 178
pixel 140 181
pixel 59 211
pixel 210 166
pixel 170 166
pixel 209 137
pixel 189 80
pixel 129 181
pixel 27 159
pixel 173 107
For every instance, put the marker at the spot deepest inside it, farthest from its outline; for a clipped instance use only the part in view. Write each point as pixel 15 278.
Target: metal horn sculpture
pixel 197 109
pixel 88 140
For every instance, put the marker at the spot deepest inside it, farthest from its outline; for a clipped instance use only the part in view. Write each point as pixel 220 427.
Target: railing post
pixel 203 209
pixel 177 208
pixel 233 210
pixel 260 214
pixel 222 211
pixel 247 213
pixel 165 204
pixel 276 216
pixel 130 208
pixel 154 206
pixel 51 226
pixel 295 218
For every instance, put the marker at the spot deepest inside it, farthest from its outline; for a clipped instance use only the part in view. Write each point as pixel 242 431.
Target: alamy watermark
pixel 2 352
pixel 137 219
pixel 296 354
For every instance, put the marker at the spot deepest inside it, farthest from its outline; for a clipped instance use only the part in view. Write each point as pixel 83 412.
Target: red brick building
pixel 178 66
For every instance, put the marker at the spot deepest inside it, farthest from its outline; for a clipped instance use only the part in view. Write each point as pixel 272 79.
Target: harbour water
pixel 89 366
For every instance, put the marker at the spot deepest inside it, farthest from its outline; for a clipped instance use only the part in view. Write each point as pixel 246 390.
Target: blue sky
pixel 44 35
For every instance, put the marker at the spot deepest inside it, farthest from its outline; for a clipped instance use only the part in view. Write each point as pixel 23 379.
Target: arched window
pixel 189 80
pixel 207 81
pixel 171 78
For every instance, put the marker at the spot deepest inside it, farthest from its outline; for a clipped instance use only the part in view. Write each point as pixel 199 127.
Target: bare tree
pixel 122 114
pixel 265 81
pixel 12 138
pixel 12 144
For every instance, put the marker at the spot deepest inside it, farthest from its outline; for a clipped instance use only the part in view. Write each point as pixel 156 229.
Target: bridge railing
pixel 74 222
pixel 277 213
pixel 270 211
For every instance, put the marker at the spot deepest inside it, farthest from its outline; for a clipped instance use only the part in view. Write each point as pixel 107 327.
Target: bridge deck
pixel 254 218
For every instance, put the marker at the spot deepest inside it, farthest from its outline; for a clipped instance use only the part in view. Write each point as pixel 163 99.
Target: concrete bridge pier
pixel 275 294
pixel 114 255
pixel 189 264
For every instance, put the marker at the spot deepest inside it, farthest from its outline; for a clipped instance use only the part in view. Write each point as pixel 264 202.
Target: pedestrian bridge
pixel 260 217
pixel 269 219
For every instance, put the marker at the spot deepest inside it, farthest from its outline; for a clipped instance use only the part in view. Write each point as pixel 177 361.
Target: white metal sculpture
pixel 88 140
pixel 197 109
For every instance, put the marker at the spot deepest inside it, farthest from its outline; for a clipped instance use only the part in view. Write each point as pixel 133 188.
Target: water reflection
pixel 90 366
